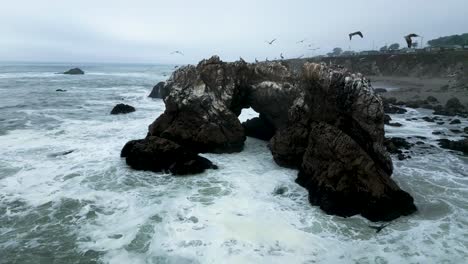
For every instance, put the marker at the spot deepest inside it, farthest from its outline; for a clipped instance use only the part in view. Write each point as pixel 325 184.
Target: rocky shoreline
pixel 324 121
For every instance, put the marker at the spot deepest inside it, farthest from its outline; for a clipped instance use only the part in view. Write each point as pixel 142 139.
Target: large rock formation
pixel 74 71
pixel 327 123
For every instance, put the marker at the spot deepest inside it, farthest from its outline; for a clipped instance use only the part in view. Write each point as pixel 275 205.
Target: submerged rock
pixel 74 71
pixel 122 109
pixel 159 91
pixel 328 123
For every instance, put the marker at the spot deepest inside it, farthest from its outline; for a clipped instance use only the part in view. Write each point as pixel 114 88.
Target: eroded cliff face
pixel 327 122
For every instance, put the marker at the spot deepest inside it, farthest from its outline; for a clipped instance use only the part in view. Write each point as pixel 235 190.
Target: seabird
pixel 301 41
pixel 357 33
pixel 177 52
pixel 281 56
pixel 409 39
pixel 270 42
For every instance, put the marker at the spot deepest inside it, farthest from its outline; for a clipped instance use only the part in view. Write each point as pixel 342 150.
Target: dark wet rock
pixel 395 145
pixel 74 71
pixel 380 90
pixel 455 122
pixel 60 90
pixel 420 143
pixel 465 130
pixel 259 127
pixel 159 91
pixel 396 124
pixel 159 154
pixel 122 109
pixel 456 131
pixel 440 123
pixel 437 133
pixel 402 156
pixel 392 109
pixel 420 137
pixel 460 145
pixel 328 123
pixel 429 119
pixel 387 119
pixel 431 99
pixel 453 107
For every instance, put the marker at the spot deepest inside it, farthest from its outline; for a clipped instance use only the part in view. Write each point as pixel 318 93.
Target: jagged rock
pixel 122 109
pixel 259 127
pixel 394 145
pixel 159 91
pixel 328 123
pixel 158 154
pixel 387 119
pixel 460 145
pixel 453 107
pixel 74 71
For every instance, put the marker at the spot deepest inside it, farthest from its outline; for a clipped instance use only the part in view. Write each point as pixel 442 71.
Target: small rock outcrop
pixel 159 91
pixel 74 71
pixel 460 145
pixel 122 109
pixel 326 122
pixel 453 107
pixel 159 155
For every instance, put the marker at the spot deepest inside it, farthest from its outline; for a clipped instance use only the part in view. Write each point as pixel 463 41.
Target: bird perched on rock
pixel 409 39
pixel 357 33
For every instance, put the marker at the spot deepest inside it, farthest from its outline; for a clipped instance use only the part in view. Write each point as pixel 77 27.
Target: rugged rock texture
pixel 74 71
pixel 328 123
pixel 460 145
pixel 122 109
pixel 159 91
pixel 158 154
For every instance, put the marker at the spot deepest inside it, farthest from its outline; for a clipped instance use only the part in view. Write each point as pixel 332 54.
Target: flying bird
pixel 281 56
pixel 357 33
pixel 301 41
pixel 177 52
pixel 409 39
pixel 315 49
pixel 270 42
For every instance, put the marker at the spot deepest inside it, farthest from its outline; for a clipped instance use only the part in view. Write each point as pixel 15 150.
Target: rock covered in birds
pixel 327 122
pixel 74 71
pixel 122 109
pixel 159 91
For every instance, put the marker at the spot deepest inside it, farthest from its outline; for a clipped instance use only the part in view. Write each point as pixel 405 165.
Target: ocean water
pixel 89 207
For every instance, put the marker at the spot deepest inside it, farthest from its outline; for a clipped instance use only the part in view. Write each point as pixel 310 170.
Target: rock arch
pixel 328 124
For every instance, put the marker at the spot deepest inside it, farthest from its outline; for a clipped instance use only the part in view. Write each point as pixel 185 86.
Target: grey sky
pixel 148 30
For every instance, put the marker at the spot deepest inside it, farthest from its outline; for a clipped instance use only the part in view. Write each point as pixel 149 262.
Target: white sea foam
pixel 230 215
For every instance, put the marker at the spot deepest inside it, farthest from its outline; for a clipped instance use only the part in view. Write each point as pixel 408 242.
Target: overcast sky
pixel 149 30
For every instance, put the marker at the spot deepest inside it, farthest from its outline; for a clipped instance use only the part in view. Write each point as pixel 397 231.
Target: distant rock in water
pixel 159 91
pixel 74 71
pixel 122 109
pixel 60 90
pixel 328 123
pixel 159 155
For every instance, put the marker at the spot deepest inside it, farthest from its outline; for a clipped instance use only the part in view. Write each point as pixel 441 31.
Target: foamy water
pixel 89 207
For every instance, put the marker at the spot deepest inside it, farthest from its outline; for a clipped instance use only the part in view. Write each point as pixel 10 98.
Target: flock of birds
pixel 408 38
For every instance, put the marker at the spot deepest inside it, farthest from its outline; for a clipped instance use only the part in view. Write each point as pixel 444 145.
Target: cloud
pixel 148 30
